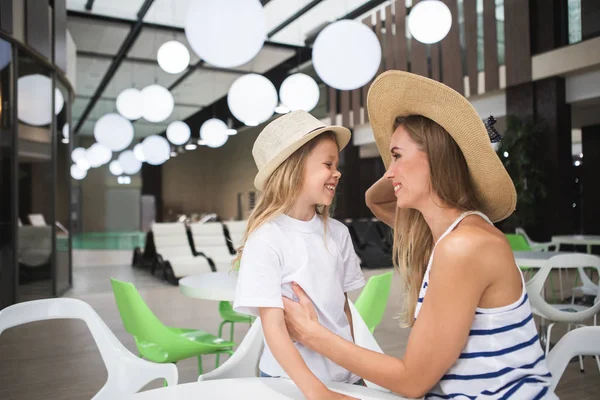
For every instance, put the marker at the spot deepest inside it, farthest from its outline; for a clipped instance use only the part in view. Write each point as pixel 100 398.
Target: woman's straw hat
pixel 282 137
pixel 399 94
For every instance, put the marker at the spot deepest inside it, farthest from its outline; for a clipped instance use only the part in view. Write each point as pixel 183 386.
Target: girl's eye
pixel 328 165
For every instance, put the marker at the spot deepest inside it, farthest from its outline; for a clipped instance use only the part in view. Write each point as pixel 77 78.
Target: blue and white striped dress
pixel 502 358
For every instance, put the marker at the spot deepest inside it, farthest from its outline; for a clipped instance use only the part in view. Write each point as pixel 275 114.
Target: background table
pixel 535 259
pixel 577 240
pixel 218 286
pixel 253 388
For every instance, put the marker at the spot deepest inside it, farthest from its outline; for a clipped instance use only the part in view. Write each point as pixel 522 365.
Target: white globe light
pixel 65 130
pixel 157 149
pixel 113 131
pixel 299 92
pixel 429 21
pixel 115 168
pixel 130 104
pixel 157 103
pixel 5 53
pixel 77 173
pixel 83 164
pixel 98 155
pixel 213 133
pixel 226 33
pixel 173 57
pixel 35 102
pixel 129 164
pixel 78 154
pixel 178 132
pixel 138 152
pixel 252 99
pixel 346 54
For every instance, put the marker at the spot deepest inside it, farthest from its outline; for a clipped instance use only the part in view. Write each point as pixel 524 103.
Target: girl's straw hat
pixel 399 94
pixel 282 137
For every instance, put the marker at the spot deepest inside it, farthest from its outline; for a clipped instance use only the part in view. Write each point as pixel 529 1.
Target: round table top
pixel 535 259
pixel 577 239
pixel 218 286
pixel 253 388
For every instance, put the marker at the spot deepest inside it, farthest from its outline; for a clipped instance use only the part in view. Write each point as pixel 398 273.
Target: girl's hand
pixel 300 317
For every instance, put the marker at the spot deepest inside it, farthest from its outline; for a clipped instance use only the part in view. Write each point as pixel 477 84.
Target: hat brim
pixel 398 94
pixel 342 136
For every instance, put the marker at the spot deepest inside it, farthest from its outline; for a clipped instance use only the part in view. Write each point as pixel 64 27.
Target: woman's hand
pixel 300 317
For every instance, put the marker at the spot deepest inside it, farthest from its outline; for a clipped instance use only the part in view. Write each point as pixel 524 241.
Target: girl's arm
pixel 381 201
pixel 289 358
pixel 438 336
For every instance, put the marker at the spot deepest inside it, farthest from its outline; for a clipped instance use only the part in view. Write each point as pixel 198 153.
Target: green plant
pixel 518 151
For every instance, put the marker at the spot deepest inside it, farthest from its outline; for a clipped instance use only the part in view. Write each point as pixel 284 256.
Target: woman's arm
pixel 289 358
pixel 437 338
pixel 381 201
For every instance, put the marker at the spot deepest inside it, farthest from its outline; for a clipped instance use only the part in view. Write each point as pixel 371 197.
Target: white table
pixel 577 240
pixel 535 259
pixel 253 388
pixel 218 286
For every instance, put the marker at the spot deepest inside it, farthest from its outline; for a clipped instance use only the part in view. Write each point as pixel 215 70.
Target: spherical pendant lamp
pixel 252 99
pixel 129 164
pixel 429 21
pixel 173 57
pixel 156 149
pixel 213 133
pixel 157 103
pixel 113 131
pixel 178 133
pixel 226 33
pixel 130 104
pixel 346 54
pixel 299 92
pixel 77 173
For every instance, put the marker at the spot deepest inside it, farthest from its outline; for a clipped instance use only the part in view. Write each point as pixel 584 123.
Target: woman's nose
pixel 389 174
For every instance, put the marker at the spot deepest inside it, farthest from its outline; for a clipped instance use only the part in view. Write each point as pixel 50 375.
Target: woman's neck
pixel 439 218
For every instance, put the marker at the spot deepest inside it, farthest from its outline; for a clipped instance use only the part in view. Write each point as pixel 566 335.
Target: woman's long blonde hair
pixel 450 181
pixel 282 190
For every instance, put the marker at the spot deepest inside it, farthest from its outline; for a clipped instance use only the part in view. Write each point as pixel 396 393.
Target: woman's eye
pixel 395 156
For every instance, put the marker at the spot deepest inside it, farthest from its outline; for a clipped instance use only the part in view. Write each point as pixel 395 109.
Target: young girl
pixel 290 239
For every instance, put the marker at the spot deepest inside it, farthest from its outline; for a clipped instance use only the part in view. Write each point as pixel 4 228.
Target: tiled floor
pixel 59 360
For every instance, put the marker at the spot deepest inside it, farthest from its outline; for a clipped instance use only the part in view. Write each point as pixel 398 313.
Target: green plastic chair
pixel 230 317
pixel 373 299
pixel 157 342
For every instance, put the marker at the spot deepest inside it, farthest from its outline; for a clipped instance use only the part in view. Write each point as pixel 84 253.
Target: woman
pixel 473 335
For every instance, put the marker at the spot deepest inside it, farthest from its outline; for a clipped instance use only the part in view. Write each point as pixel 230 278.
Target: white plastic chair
pixel 172 244
pixel 579 342
pixel 569 313
pixel 244 362
pixel 127 373
pixel 536 246
pixel 209 238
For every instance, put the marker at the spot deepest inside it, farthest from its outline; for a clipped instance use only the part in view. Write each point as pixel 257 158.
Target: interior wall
pixel 208 180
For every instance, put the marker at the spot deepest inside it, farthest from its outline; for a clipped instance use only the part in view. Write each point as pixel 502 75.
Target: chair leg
pixel 200 369
pixel 548 333
pixel 581 369
pixel 231 332
pixel 218 356
pixel 221 328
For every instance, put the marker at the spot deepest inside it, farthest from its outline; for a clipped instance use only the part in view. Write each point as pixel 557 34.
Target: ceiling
pixel 100 32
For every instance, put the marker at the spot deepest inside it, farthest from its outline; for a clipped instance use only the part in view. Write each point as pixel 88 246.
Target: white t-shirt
pixel 287 250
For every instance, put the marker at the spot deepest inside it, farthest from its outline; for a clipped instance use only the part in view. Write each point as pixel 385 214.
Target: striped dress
pixel 502 358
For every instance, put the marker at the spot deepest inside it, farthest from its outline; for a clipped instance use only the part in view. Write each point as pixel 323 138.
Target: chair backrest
pixel 137 317
pixel 517 242
pixel 171 240
pixel 236 231
pixel 37 219
pixel 127 373
pixel 209 238
pixel 536 284
pixel 244 362
pixel 578 342
pixel 372 301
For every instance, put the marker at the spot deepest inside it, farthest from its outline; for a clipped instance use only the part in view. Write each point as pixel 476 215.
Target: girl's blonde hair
pixel 282 190
pixel 450 181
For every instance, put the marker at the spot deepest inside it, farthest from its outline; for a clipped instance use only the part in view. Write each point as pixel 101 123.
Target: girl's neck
pixel 302 211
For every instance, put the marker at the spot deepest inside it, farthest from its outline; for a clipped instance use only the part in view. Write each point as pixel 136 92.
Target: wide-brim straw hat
pixel 399 94
pixel 282 137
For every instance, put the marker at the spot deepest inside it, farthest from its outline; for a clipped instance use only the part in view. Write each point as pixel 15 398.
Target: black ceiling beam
pixel 294 17
pixel 150 61
pixel 134 32
pixel 150 25
pixel 89 5
pixel 365 8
